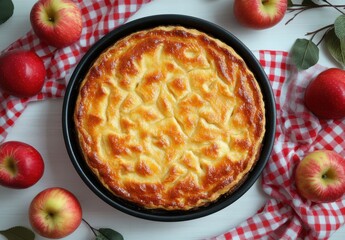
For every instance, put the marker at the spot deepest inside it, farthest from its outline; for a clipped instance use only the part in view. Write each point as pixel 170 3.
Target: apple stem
pixel 10 164
pixel 50 13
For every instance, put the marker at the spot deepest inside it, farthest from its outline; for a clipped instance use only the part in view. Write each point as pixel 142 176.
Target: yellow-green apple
pixel 55 213
pixel 21 165
pixel 22 73
pixel 259 14
pixel 325 94
pixel 320 176
pixel 56 22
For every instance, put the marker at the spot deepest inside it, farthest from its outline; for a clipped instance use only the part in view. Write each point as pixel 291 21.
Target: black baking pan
pixel 84 65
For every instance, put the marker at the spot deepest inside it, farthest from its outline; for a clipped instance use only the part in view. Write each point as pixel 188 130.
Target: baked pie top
pixel 170 118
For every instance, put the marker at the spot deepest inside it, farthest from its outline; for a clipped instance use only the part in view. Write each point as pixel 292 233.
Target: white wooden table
pixel 40 125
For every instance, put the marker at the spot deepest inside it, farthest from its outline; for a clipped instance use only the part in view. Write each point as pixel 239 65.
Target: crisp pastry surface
pixel 170 118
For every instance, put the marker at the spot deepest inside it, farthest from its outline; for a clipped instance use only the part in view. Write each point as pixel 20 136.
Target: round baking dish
pixel 82 68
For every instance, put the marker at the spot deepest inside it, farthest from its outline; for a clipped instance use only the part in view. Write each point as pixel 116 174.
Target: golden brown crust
pixel 170 118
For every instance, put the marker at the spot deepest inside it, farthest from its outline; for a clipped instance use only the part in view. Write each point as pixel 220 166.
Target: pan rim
pixel 149 22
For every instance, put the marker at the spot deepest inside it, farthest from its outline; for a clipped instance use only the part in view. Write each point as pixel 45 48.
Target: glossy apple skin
pixel 259 14
pixel 55 213
pixel 56 22
pixel 320 176
pixel 22 73
pixel 325 95
pixel 21 165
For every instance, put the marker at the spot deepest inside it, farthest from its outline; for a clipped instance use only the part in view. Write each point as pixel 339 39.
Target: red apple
pixel 320 176
pixel 21 165
pixel 325 94
pixel 55 213
pixel 259 14
pixel 22 73
pixel 56 22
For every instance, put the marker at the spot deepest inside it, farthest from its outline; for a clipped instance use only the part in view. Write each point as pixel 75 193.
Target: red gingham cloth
pixel 285 215
pixel 99 17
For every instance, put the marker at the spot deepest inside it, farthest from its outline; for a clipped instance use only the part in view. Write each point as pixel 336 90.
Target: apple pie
pixel 170 118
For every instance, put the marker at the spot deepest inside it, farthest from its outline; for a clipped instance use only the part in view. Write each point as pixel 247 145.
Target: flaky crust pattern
pixel 170 118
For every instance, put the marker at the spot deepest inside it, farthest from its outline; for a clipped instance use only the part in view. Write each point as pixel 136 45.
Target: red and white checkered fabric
pixel 285 215
pixel 99 17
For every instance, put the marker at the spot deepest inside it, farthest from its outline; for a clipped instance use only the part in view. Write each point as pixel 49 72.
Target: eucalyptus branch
pixel 314 33
pixel 294 16
pixel 104 233
pixel 295 7
pixel 303 7
pixel 304 52
pixel 336 8
pixel 92 228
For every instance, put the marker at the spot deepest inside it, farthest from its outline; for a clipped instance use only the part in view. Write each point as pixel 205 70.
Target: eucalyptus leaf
pixel 304 54
pixel 309 3
pixel 6 10
pixel 108 234
pixel 335 46
pixel 18 233
pixel 339 27
pixel 101 237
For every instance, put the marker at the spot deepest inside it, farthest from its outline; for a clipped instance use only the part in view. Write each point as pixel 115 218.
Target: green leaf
pixel 6 10
pixel 306 3
pixel 304 54
pixel 18 232
pixel 335 46
pixel 339 27
pixel 108 234
pixel 309 3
